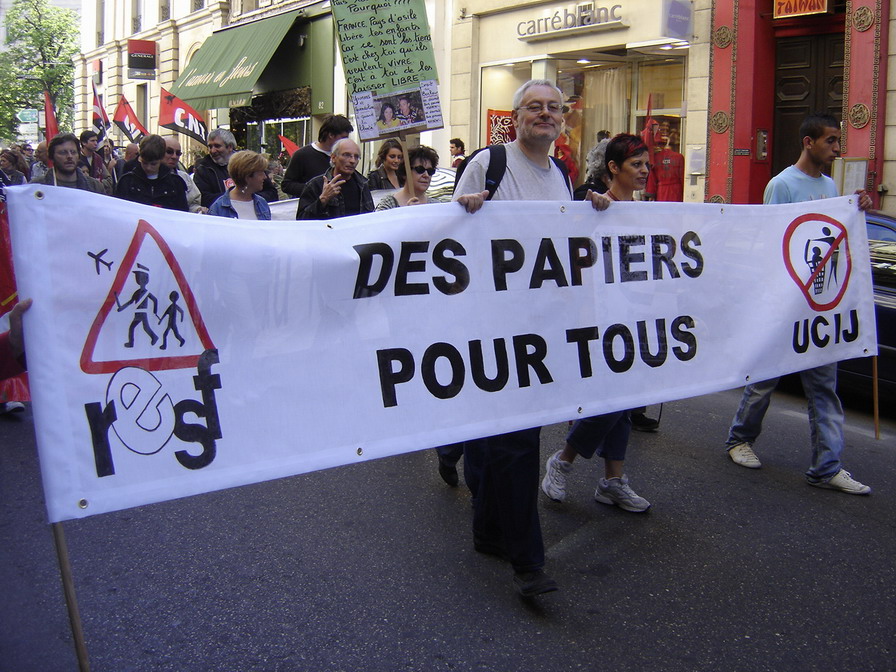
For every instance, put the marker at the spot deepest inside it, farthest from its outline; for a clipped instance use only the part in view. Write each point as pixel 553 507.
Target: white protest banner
pixel 389 66
pixel 172 354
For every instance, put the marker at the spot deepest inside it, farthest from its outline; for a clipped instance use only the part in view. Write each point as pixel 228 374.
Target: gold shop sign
pixel 786 8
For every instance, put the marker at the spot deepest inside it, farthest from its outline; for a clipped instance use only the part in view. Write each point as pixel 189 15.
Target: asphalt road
pixel 371 567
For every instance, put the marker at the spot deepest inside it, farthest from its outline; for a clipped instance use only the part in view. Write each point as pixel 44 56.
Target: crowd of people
pixel 503 472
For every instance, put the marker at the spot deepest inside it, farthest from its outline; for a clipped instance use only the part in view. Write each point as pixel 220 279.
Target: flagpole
pixel 71 601
pixel 874 397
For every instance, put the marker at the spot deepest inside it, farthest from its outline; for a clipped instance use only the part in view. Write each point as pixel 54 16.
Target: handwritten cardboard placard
pixel 389 65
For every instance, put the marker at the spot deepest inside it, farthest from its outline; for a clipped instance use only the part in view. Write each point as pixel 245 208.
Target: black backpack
pixel 497 166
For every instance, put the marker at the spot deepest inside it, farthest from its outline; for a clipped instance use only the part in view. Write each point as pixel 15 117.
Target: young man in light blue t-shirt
pixel 804 181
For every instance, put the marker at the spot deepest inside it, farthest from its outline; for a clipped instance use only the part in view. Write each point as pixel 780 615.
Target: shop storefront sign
pixel 389 65
pixel 786 8
pixel 569 19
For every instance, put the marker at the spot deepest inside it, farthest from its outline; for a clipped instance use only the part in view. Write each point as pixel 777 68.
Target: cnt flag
pixel 177 116
pixel 100 118
pixel 127 121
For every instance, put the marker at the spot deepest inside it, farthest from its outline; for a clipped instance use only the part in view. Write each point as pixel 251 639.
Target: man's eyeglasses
pixel 535 108
pixel 420 170
pixel 176 152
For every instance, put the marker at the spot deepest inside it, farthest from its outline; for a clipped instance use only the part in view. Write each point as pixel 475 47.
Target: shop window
pixel 263 137
pixel 661 85
pixel 141 104
pixel 136 16
pixel 100 22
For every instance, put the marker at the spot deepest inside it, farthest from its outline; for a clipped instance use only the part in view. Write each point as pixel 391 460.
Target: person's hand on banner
pixel 598 201
pixel 864 199
pixel 331 188
pixel 472 202
pixel 16 338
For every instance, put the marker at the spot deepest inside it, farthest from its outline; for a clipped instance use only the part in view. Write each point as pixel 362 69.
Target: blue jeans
pixel 825 418
pixel 605 434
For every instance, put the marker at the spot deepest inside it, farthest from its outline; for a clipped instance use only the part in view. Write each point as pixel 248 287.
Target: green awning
pixel 223 73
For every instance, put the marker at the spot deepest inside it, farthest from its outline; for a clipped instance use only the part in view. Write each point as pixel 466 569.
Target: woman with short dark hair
pixel 424 161
pixel 9 174
pixel 606 435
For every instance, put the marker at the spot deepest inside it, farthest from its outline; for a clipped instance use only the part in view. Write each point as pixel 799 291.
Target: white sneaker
pixel 554 483
pixel 844 482
pixel 12 407
pixel 617 491
pixel 743 454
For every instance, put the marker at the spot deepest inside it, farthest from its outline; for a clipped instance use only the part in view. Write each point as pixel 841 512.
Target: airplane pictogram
pixel 98 259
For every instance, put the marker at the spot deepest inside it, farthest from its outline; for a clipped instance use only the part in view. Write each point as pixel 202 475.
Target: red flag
pixel 100 118
pixel 290 147
pixel 176 115
pixel 51 128
pixel 11 389
pixel 127 121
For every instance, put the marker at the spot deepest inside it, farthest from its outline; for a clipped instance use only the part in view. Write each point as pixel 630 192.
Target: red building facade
pixel 770 65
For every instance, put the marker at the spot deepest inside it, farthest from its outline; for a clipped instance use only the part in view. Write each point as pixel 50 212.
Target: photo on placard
pixel 399 111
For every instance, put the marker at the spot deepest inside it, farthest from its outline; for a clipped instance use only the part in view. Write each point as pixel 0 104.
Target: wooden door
pixel 808 78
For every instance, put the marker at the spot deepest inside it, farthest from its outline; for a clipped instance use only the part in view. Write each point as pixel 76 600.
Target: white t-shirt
pixel 244 209
pixel 522 181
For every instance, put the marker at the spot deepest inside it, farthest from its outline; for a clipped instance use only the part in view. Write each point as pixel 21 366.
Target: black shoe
pixel 448 472
pixel 529 584
pixel 642 423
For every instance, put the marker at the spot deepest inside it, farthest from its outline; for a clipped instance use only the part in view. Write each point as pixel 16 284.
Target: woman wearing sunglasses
pixel 423 166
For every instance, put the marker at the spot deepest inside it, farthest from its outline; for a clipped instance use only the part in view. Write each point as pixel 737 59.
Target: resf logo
pixel 149 344
pixel 816 255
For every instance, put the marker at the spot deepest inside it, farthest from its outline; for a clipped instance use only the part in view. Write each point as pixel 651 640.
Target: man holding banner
pixel 503 471
pixel 804 181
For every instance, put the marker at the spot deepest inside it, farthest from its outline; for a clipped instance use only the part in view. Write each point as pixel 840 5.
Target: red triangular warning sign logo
pixel 153 329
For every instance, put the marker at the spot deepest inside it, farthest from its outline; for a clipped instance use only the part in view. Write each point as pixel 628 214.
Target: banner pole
pixel 408 186
pixel 874 397
pixel 68 586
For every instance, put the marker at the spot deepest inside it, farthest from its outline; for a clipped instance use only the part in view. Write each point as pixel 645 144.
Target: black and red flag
pixel 176 115
pixel 100 118
pixel 127 121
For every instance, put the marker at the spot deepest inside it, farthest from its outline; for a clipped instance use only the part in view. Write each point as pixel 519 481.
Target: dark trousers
pixel 451 453
pixel 607 435
pixel 502 473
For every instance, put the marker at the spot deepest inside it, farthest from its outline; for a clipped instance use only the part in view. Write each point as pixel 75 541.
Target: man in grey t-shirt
pixel 502 471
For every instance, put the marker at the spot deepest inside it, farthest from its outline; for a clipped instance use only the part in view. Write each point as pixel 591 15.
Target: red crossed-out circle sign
pixel 816 255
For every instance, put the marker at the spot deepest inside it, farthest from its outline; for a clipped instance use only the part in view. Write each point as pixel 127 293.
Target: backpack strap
pixel 565 171
pixel 497 166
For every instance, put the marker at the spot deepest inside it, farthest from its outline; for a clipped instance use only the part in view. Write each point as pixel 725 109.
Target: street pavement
pixel 370 567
